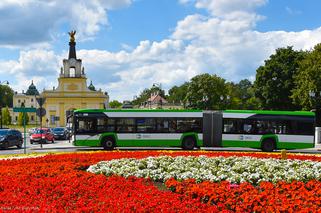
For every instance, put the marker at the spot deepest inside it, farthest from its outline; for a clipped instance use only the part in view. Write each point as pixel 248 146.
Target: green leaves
pixel 275 80
pixel 308 79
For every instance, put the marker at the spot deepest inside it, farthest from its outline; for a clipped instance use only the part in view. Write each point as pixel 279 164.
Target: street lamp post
pixel 205 100
pixel 225 100
pixel 2 83
pixel 316 96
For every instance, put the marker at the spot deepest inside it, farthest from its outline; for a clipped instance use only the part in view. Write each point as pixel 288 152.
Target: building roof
pixel 32 90
pixel 156 99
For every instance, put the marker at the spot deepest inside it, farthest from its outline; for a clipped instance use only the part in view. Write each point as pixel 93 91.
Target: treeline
pixel 288 80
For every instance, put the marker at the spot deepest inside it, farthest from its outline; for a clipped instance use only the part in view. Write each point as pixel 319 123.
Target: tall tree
pixel 275 79
pixel 177 94
pixel 309 79
pixel 6 118
pixel 6 96
pixel 20 119
pixel 206 91
pixel 115 104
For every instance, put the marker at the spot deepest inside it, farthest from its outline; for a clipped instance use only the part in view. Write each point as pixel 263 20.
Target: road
pixel 66 146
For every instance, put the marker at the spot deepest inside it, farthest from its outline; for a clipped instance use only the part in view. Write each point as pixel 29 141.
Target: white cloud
pixel 223 42
pixel 33 21
pixel 42 66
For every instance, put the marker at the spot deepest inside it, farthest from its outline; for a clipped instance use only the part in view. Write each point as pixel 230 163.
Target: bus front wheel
pixel 268 145
pixel 108 143
pixel 188 143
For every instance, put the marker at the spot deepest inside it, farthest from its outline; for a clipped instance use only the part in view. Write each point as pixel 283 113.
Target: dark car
pixel 42 136
pixel 60 133
pixel 10 137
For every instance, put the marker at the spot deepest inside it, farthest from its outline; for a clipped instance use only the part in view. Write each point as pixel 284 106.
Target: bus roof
pixel 262 112
pixel 272 112
pixel 135 110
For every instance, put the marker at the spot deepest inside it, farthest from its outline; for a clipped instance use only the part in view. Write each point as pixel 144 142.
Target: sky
pixel 129 45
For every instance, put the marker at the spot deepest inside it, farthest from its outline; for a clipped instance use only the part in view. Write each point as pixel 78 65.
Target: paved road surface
pixel 66 146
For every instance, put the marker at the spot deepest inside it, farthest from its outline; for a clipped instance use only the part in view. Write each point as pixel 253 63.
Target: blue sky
pixel 127 45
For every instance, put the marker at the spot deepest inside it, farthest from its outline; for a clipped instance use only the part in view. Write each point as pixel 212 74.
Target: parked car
pixel 32 130
pixel 10 137
pixel 42 136
pixel 60 133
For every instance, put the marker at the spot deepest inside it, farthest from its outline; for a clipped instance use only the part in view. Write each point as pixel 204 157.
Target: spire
pixel 91 86
pixel 72 45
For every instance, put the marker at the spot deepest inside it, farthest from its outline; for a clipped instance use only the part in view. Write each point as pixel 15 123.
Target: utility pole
pixel 41 112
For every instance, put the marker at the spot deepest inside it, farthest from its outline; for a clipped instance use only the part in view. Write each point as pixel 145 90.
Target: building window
pixel 72 72
pixel 31 99
pixel 32 118
pixel 19 101
pixel 16 118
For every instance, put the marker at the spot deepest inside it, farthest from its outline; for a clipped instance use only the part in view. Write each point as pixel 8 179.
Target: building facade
pixel 72 93
pixel 29 100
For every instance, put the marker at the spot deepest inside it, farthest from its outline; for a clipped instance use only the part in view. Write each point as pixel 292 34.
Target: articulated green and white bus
pixel 189 129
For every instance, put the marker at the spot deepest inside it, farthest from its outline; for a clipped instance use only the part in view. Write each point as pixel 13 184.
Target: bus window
pixel 147 125
pixel 125 125
pixel 303 127
pixel 172 125
pixel 162 125
pixel 110 125
pixel 101 124
pixel 86 125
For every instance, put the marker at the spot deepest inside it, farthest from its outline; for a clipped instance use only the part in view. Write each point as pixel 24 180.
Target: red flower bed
pixel 56 183
pixel 282 197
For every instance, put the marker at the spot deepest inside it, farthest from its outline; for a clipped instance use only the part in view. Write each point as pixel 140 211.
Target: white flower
pixel 233 169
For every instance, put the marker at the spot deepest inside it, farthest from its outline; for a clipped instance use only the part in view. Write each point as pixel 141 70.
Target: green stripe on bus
pixel 87 143
pixel 264 112
pixel 289 145
pixel 257 144
pixel 234 143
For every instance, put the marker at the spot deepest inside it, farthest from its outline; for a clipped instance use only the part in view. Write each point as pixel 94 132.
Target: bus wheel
pixel 108 143
pixel 268 145
pixel 188 143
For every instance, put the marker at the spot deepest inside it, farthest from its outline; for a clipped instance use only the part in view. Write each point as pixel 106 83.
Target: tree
pixel 6 96
pixel 115 104
pixel 6 118
pixel 177 94
pixel 275 79
pixel 205 92
pixel 243 96
pixel 307 79
pixel 20 119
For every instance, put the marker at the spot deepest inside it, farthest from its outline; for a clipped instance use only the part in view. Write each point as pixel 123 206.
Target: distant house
pixel 154 102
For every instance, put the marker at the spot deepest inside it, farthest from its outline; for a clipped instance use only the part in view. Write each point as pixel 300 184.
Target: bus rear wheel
pixel 268 145
pixel 188 143
pixel 108 143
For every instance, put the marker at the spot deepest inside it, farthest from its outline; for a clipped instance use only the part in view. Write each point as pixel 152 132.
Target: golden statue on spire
pixel 72 35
